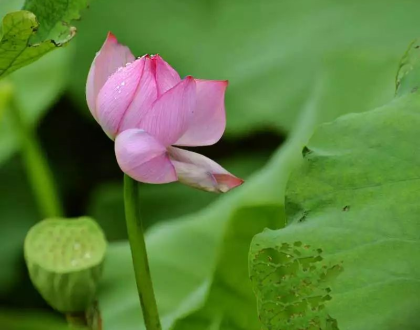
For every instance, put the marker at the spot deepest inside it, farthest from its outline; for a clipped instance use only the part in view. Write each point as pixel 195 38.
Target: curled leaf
pixel 42 26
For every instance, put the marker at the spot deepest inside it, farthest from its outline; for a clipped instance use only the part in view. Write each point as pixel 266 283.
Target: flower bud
pixel 149 111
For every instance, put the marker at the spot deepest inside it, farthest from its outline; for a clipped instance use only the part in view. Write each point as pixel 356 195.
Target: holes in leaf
pixel 306 151
pixel 291 284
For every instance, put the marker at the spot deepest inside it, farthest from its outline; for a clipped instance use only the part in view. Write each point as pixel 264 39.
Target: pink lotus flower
pixel 145 106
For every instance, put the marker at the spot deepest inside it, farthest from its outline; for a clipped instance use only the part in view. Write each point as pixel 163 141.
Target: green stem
pixel 139 255
pixel 37 169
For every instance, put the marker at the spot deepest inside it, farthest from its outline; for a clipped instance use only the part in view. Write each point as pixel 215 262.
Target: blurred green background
pixel 280 57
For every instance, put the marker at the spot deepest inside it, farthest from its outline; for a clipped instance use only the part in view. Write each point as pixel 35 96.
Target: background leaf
pixel 271 54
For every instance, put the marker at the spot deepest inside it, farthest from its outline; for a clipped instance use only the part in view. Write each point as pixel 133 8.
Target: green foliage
pixel 271 54
pixel 355 197
pixel 18 214
pixel 33 320
pixel 29 34
pixel 229 286
pixel 6 92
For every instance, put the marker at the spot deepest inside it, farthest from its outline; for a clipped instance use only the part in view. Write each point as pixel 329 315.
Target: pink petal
pixel 144 98
pixel 111 56
pixel 201 172
pixel 166 76
pixel 143 158
pixel 169 117
pixel 209 120
pixel 117 95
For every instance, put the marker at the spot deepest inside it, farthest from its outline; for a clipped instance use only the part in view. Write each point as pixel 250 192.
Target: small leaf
pixel 273 62
pixel 55 17
pixel 18 27
pixel 26 37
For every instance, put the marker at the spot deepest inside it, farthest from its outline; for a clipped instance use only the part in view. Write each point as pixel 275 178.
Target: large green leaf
pixel 355 198
pixel 270 54
pixel 29 34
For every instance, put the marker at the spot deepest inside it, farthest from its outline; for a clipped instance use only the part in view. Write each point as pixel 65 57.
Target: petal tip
pixel 111 37
pixel 227 182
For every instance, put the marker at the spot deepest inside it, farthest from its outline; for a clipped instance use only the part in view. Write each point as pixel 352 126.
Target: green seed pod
pixel 64 259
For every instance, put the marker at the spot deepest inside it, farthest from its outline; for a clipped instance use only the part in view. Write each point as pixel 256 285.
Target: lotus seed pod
pixel 64 259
